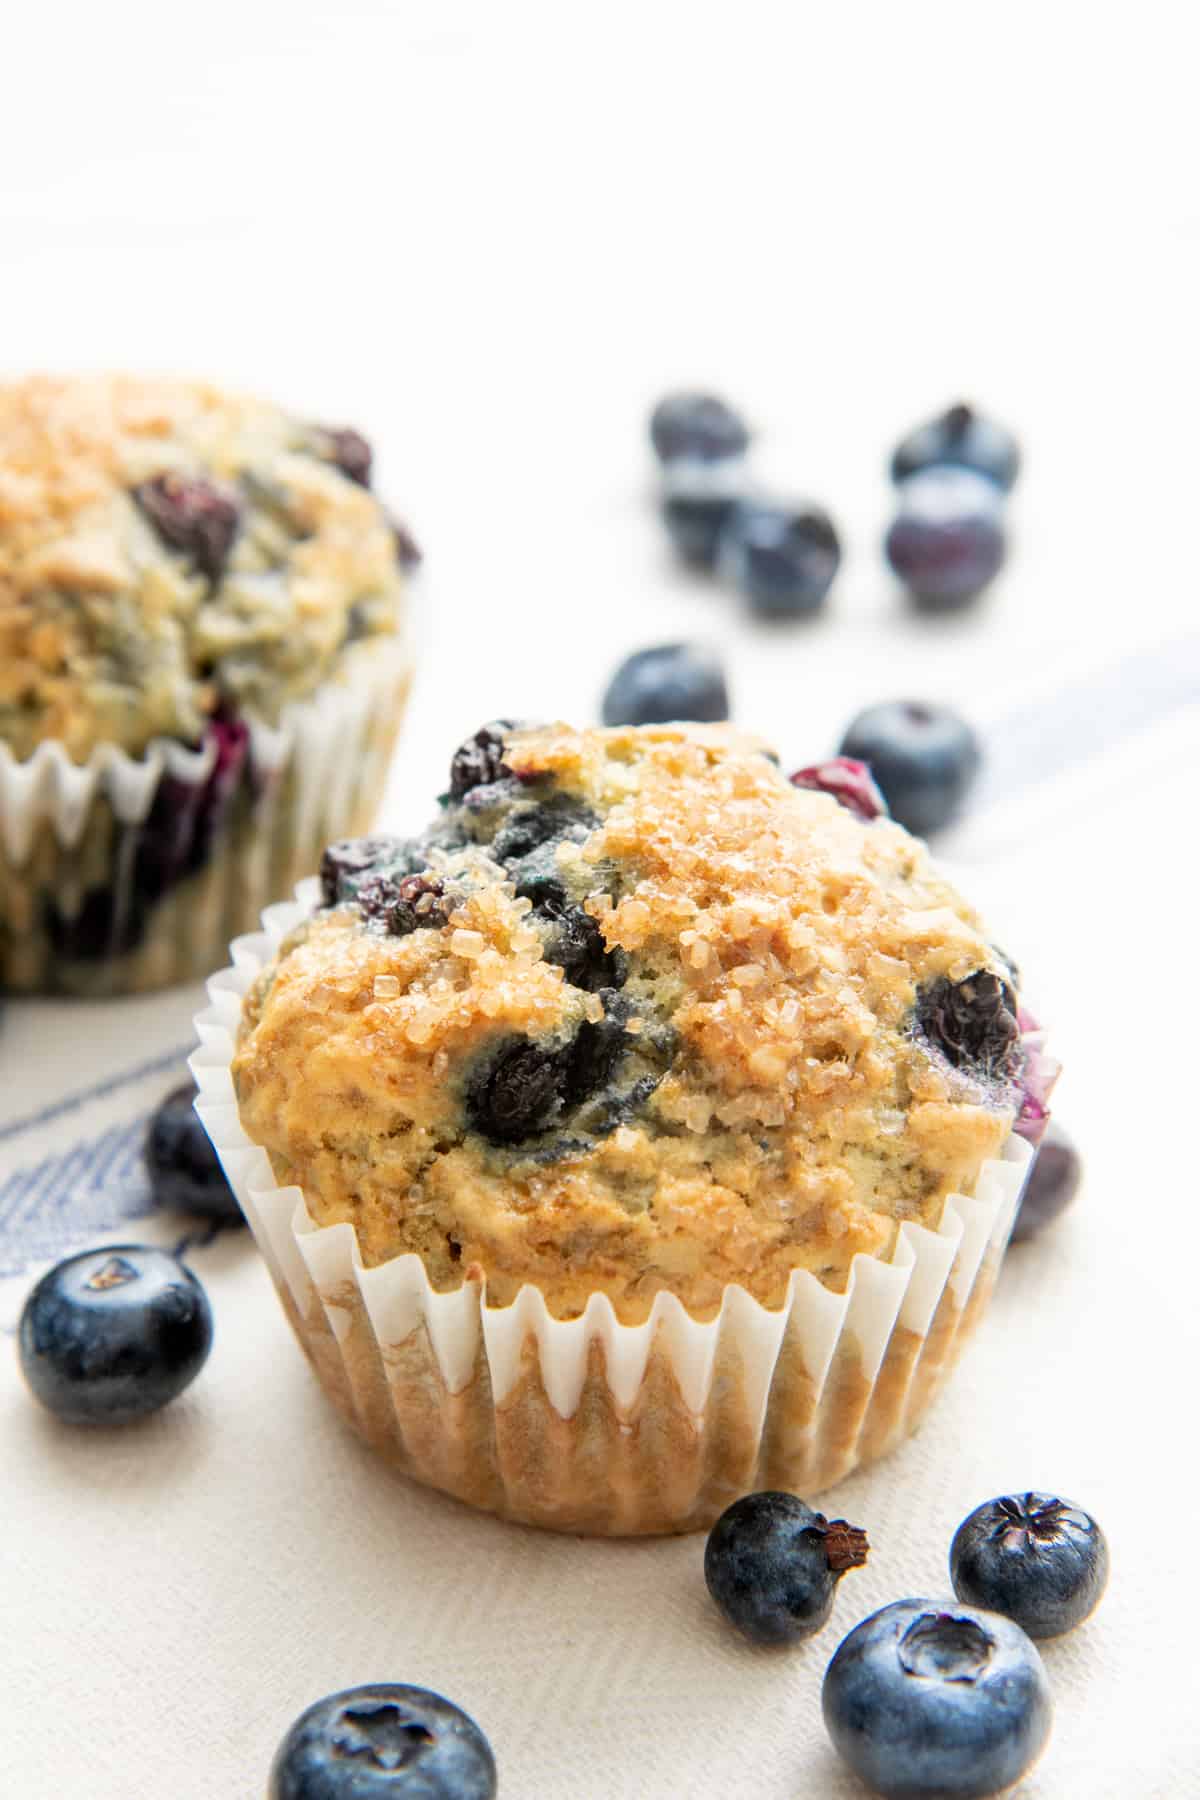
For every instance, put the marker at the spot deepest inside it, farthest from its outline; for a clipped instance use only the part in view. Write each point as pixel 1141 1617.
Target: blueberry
pixel 697 427
pixel 698 500
pixel 405 903
pixel 192 516
pixel 1052 1185
pixel 114 1334
pixel 408 552
pixel 947 541
pixel 973 1023
pixel 479 760
pixel 345 863
pixel 924 758
pixel 664 683
pixel 1039 1560
pixel 185 1171
pixel 349 451
pixel 591 1058
pixel 927 1701
pixel 783 558
pixel 385 1740
pixel 961 438
pixel 851 784
pixel 517 1092
pixel 575 943
pixel 772 1565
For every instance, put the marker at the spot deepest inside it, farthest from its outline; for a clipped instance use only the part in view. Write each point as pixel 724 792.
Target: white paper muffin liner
pixel 70 832
pixel 586 1424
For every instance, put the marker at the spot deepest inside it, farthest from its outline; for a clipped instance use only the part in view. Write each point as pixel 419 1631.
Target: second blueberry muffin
pixel 201 623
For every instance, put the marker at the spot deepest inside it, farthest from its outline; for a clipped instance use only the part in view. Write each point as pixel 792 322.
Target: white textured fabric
pixel 491 245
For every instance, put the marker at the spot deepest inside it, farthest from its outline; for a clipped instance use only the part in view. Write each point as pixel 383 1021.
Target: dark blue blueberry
pixel 928 1701
pixel 697 427
pixel 384 1742
pixel 1039 1560
pixel 185 1171
pixel 575 943
pixel 851 784
pixel 114 1334
pixel 772 1565
pixel 402 904
pixel 947 541
pixel 782 558
pixel 1053 1184
pixel 517 1092
pixel 924 758
pixel 193 516
pixel 960 438
pixel 349 451
pixel 698 500
pixel 409 554
pixel 665 683
pixel 346 863
pixel 973 1022
pixel 479 759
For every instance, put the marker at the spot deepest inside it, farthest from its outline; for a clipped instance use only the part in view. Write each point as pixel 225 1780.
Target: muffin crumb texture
pixel 169 552
pixel 653 1019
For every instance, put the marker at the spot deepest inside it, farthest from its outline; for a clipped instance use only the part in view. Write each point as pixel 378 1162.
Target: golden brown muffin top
pixel 635 1014
pixel 166 549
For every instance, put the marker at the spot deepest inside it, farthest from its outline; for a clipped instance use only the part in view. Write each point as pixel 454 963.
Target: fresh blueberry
pixel 783 558
pixel 192 516
pixel 697 427
pixel 973 1022
pixel 114 1334
pixel 772 1565
pixel 960 438
pixel 383 1742
pixel 185 1171
pixel 694 523
pixel 851 784
pixel 1053 1184
pixel 1033 1557
pixel 948 540
pixel 665 683
pixel 927 1701
pixel 924 758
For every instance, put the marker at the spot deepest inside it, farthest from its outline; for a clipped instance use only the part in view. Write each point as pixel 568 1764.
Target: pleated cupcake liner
pixel 124 874
pixel 589 1425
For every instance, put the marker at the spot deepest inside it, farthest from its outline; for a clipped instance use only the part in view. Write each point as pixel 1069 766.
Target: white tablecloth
pixel 490 246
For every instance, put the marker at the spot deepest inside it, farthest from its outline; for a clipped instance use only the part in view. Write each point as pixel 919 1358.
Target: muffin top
pixel 168 550
pixel 636 1013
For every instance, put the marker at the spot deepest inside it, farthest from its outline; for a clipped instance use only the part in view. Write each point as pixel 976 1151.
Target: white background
pixel 489 237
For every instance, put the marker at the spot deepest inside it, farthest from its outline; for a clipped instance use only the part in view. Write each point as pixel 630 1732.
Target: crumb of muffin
pixel 721 1075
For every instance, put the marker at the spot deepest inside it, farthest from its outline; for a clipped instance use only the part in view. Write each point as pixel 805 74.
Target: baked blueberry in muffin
pixel 635 1014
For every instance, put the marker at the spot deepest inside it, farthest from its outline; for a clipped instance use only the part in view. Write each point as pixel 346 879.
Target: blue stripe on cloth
pixel 64 1201
pixel 73 1102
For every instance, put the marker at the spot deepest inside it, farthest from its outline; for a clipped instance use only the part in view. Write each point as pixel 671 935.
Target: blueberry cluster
pixel 948 539
pixel 924 1696
pixel 780 555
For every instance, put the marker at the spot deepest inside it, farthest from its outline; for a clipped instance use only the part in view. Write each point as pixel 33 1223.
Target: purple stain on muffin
pixel 175 840
pixel 194 516
pixel 849 781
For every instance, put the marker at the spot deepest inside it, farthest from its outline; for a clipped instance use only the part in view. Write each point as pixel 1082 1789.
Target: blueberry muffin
pixel 639 1018
pixel 192 586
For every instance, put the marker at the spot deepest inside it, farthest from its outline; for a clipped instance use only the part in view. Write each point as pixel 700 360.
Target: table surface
pixel 490 237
